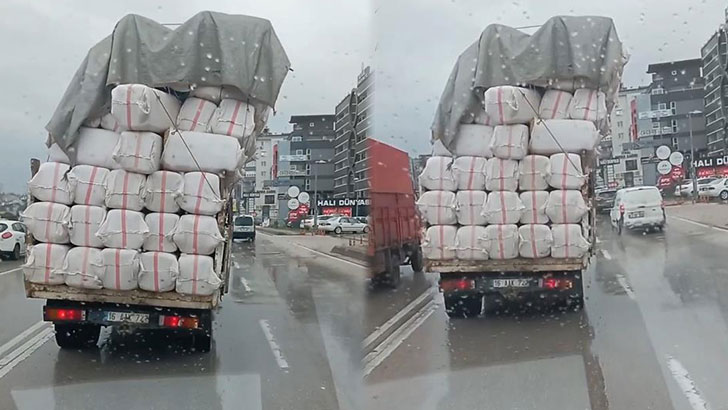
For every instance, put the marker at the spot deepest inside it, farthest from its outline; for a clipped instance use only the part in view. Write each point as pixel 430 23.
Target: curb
pixel 349 252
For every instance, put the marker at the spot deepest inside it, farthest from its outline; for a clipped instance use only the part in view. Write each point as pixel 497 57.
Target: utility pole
pixel 692 153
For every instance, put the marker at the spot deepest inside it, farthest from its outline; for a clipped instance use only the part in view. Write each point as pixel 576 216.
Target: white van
pixel 638 208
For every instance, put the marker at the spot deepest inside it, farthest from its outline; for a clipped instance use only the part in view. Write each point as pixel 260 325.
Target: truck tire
pixel 457 306
pixel 76 336
pixel 416 260
pixel 202 339
pixel 392 277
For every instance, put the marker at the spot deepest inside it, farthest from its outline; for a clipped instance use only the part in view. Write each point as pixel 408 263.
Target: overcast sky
pixel 418 42
pixel 44 41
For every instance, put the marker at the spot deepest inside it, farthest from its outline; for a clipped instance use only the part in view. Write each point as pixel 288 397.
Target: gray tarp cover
pixel 566 53
pixel 208 49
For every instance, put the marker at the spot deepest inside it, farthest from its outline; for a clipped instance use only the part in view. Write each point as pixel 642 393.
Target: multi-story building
pixel 622 167
pixel 714 57
pixel 311 158
pixel 363 129
pixel 256 192
pixel 344 152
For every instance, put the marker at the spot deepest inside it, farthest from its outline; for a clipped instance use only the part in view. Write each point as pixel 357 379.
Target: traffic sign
pixel 664 167
pixel 676 158
pixel 293 192
pixel 293 203
pixel 663 152
pixel 304 197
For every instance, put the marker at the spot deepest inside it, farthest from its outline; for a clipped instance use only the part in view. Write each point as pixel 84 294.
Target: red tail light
pixel 449 285
pixel 553 283
pixel 180 321
pixel 7 235
pixel 58 314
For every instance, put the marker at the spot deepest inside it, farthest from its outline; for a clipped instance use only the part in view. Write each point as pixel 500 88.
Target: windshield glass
pixel 643 196
pixel 244 221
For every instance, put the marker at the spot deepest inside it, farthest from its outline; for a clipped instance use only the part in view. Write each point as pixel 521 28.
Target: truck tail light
pixel 60 314
pixel 180 322
pixel 554 283
pixel 449 285
pixel 7 235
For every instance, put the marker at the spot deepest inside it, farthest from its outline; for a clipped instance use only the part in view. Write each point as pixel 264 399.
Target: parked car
pixel 605 200
pixel 362 219
pixel 244 228
pixel 686 189
pixel 12 239
pixel 715 189
pixel 638 208
pixel 341 224
pixel 307 223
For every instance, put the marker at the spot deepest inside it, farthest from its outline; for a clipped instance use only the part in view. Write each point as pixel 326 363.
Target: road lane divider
pixel 606 254
pixel 24 350
pixel 687 386
pixel 625 285
pixel 273 343
pixel 690 221
pixel 22 336
pixel 358 265
pixel 10 271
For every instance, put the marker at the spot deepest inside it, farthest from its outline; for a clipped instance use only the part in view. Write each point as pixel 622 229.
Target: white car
pixel 12 239
pixel 686 189
pixel 308 222
pixel 715 189
pixel 341 224
pixel 638 208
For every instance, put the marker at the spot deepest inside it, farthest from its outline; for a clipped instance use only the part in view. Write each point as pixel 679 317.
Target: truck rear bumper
pixel 515 286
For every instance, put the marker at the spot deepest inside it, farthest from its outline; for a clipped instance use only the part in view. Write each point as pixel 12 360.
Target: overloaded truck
pixel 395 237
pixel 130 223
pixel 508 195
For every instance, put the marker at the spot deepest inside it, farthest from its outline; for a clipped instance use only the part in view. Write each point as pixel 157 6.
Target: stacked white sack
pixel 233 118
pixel 501 241
pixel 124 229
pixel 535 241
pixel 566 207
pixel 158 271
pixel 510 141
pixel 109 122
pixel 83 268
pixel 95 146
pixel 551 136
pixel 566 171
pixel 44 264
pixel 469 173
pixel 534 207
pixel 503 207
pixel 138 151
pixel 438 175
pixel 473 140
pixel 197 234
pixel 200 193
pixel 121 268
pixel 90 184
pixel 554 105
pixel 568 241
pixel 470 243
pixel 161 229
pixel 501 175
pixel 47 221
pixel 511 105
pixel 197 275
pixel 51 184
pixel 438 207
pixel 195 115
pixel 469 207
pixel 589 105
pixel 125 190
pixel 141 108
pixel 188 151
pixel 84 225
pixel 217 94
pixel 440 242
pixel 162 190
pixel 533 173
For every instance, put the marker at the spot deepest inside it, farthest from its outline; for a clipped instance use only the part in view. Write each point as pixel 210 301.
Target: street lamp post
pixel 315 193
pixel 692 153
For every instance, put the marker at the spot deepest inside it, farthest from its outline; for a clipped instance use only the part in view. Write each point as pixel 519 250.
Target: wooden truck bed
pixel 507 265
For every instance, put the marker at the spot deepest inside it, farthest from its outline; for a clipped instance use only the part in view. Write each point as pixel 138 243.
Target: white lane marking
pixel 27 332
pixel 391 343
pixel 598 240
pixel 25 350
pixel 245 284
pixel 683 379
pixel 10 271
pixel 606 254
pixel 623 283
pixel 717 228
pixel 274 347
pixel 236 265
pixel 396 318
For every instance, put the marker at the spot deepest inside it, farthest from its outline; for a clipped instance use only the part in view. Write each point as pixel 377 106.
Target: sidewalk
pixel 714 214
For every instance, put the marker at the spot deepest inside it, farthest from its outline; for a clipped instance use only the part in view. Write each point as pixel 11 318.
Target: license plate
pixel 510 283
pixel 128 317
pixel 639 214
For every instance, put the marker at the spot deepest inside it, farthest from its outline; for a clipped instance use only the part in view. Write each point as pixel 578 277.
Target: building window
pixel 630 165
pixel 621 135
pixel 270 199
pixel 674 142
pixel 262 163
pixel 296 139
pixel 299 152
pixel 662 106
pixel 263 173
pixel 673 124
pixel 655 125
pixel 673 107
pixel 620 124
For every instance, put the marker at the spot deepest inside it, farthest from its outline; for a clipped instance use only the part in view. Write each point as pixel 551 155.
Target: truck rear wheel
pixel 76 336
pixel 460 306
pixel 392 277
pixel 416 260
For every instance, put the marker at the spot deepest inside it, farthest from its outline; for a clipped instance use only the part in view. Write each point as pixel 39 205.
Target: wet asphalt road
pixel 287 337
pixel 653 335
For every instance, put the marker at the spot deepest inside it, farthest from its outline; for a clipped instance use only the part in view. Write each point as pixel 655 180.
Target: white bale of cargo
pixel 109 122
pixel 51 183
pixel 534 241
pixel 56 154
pixel 510 141
pixel 534 207
pixel 95 146
pixel 124 229
pixel 158 271
pixel 566 171
pixel 508 104
pixel 469 173
pixel 503 207
pixel 138 151
pixel 440 150
pixel 197 234
pixel 195 115
pixel 188 151
pixel 83 268
pixel 438 207
pixel 161 228
pixel 200 193
pixel 89 184
pixel 162 189
pixel 568 241
pixel 551 136
pixel 84 225
pixel 438 175
pixel 533 173
pixel 469 207
pixel 589 105
pixel 555 105
pixel 501 241
pixel 440 242
pixel 138 107
pixel 47 221
pixel 197 275
pixel 473 140
pixel 470 243
pixel 121 269
pixel 501 175
pixel 215 94
pixel 566 207
pixel 233 118
pixel 44 264
pixel 125 190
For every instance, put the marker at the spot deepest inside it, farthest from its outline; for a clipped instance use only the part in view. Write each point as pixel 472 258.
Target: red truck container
pixel 395 236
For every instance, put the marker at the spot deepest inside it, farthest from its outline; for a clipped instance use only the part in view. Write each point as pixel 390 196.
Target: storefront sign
pixel 711 162
pixel 346 211
pixel 343 202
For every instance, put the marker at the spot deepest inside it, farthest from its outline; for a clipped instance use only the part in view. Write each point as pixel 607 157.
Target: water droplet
pixel 217 60
pixel 203 78
pixel 128 50
pixel 209 56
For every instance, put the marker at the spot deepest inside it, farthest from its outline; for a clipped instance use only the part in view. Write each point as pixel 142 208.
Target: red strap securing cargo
pixel 128 107
pixel 90 188
pixel 87 231
pixel 49 214
pixel 503 206
pixel 49 251
pixel 533 240
pixel 588 104
pixel 84 266
pixel 160 247
pixel 117 265
pixel 472 242
pixel 472 208
pixel 197 114
pixel 533 207
pixel 138 150
pixel 556 104
pixel 501 165
pixel 156 271
pixel 501 250
pixel 499 95
pixel 123 228
pixel 195 232
pixel 472 172
pixel 124 191
pixel 510 139
pixel 235 116
pixel 194 275
pixel 566 240
pixel 199 193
